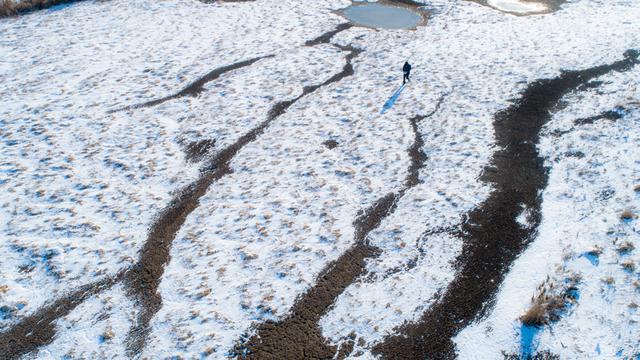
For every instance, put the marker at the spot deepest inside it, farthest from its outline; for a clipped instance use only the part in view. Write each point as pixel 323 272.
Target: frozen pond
pixel 382 16
pixel 518 6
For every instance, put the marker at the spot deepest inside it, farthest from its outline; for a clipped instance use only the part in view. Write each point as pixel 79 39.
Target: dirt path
pixel 326 37
pixel 196 87
pixel 39 329
pixel 493 237
pixel 19 8
pixel 144 278
pixel 298 336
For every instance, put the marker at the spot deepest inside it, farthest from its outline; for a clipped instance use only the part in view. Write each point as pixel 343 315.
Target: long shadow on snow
pixel 492 236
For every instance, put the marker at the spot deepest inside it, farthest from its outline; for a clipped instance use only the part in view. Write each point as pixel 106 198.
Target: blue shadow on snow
pixel 527 338
pixel 392 100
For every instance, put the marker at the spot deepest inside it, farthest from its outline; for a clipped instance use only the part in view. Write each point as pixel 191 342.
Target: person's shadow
pixel 392 100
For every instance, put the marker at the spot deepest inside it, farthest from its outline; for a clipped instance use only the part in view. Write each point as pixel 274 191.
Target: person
pixel 406 69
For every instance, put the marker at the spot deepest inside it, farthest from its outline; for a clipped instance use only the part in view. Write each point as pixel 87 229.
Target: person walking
pixel 406 69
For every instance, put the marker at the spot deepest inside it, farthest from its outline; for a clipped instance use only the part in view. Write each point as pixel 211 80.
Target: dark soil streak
pixel 611 115
pixel 144 278
pixel 26 7
pixel 415 151
pixel 298 335
pixel 39 329
pixel 197 150
pixel 326 37
pixel 197 87
pixel 492 236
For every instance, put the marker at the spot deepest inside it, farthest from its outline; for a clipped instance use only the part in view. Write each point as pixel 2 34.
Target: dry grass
pixel 551 302
pixel 595 251
pixel 626 247
pixel 628 215
pixel 629 265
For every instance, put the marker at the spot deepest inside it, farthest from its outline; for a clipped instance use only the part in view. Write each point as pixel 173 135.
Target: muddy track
pixel 39 329
pixel 196 87
pixel 492 236
pixel 611 115
pixel 415 153
pixel 298 336
pixel 326 37
pixel 144 278
pixel 21 8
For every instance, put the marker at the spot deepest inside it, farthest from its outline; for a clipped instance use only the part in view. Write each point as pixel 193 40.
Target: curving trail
pixel 492 236
pixel 144 278
pixel 196 87
pixel 20 8
pixel 39 329
pixel 298 336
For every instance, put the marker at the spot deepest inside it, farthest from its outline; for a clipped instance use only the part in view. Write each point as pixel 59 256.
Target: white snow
pixel 581 212
pixel 79 186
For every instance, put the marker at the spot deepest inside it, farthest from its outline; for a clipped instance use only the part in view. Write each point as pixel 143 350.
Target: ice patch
pixel 518 6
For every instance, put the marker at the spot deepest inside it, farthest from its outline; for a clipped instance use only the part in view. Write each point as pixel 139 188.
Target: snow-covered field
pixel 80 185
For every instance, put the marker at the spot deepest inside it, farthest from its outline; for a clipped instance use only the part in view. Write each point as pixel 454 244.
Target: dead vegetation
pixel 628 265
pixel 551 302
pixel 595 251
pixel 628 215
pixel 626 247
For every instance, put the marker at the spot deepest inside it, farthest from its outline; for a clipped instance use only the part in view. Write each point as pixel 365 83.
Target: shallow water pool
pixel 382 16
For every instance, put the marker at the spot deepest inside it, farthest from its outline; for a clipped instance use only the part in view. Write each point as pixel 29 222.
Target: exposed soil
pixel 197 150
pixel 15 8
pixel 611 115
pixel 330 144
pixel 39 329
pixel 144 278
pixel 195 88
pixel 298 335
pixel 415 151
pixel 492 236
pixel 326 37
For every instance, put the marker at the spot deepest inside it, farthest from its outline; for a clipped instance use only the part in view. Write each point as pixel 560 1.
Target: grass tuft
pixel 551 302
pixel 628 215
pixel 626 247
pixel 629 265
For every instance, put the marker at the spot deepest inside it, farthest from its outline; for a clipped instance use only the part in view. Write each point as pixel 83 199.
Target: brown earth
pixel 144 278
pixel 298 335
pixel 39 329
pixel 492 236
pixel 196 87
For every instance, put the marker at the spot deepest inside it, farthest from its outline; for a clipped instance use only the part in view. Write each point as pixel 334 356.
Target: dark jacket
pixel 406 68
